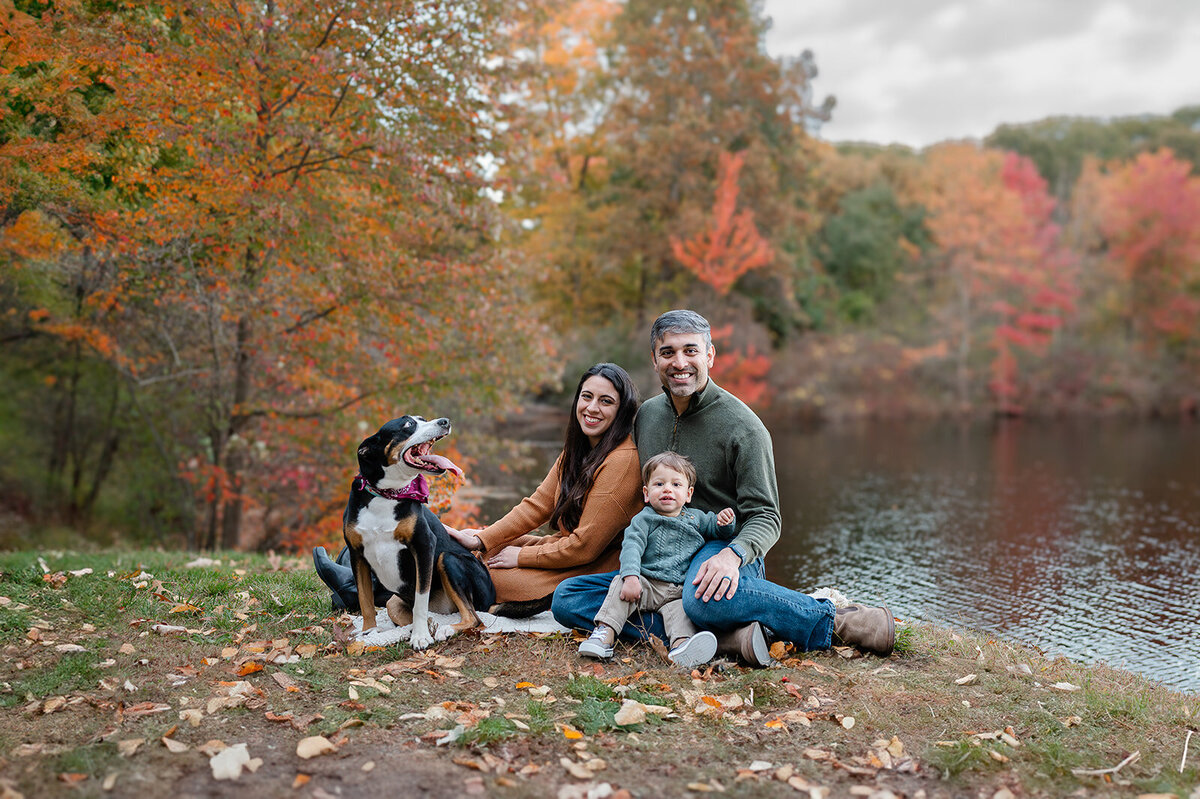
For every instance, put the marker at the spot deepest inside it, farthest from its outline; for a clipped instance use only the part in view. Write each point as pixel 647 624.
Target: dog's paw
pixel 444 631
pixel 420 639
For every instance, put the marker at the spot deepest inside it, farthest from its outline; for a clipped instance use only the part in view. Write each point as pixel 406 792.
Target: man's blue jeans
pixel 788 615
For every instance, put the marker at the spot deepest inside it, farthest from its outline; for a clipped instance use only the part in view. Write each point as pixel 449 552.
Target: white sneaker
pixel 696 650
pixel 597 646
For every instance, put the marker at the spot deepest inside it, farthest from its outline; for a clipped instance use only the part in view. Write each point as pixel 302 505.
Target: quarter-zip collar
pixel 700 399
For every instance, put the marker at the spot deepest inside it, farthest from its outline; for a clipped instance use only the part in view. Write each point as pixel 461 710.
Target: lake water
pixel 1082 538
pixel 1079 537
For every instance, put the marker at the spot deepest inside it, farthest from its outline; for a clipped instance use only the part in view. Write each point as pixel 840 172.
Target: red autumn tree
pixel 1148 212
pixel 732 245
pixel 1010 282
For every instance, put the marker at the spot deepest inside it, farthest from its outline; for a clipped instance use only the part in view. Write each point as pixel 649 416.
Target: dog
pixel 390 531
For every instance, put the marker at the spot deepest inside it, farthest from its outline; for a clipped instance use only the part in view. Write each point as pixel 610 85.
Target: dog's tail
pixel 521 610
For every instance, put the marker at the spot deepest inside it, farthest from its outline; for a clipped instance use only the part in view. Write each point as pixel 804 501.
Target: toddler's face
pixel 667 491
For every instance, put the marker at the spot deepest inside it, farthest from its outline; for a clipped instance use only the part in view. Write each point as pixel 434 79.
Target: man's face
pixel 682 361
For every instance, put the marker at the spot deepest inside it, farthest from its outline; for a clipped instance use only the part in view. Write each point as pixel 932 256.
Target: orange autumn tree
pixel 288 221
pixel 1010 283
pixel 730 247
pixel 1148 213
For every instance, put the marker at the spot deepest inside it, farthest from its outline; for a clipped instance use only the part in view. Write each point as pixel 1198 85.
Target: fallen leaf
pixel 300 781
pixel 780 650
pixel 250 667
pixel 1065 686
pixel 126 649
pixel 314 746
pixel 193 716
pixel 968 680
pixel 570 733
pixel 212 747
pixel 576 770
pixel 129 746
pixel 229 762
pixel 630 713
pixel 145 709
pixel 54 703
pixel 174 746
pixel 71 778
pixel 69 648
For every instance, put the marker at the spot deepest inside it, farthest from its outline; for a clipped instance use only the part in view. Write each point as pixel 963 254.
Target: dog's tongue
pixel 442 463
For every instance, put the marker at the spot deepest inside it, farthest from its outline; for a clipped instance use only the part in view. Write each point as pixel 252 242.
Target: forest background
pixel 236 237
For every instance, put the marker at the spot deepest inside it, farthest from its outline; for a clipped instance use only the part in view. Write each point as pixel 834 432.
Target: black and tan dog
pixel 391 532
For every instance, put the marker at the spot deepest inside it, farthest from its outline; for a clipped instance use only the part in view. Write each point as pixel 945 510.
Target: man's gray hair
pixel 680 321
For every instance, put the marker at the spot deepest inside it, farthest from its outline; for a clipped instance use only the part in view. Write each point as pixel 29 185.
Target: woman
pixel 587 500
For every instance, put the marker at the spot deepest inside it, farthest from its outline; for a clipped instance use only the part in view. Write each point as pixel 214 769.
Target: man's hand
pixel 504 559
pixel 631 589
pixel 725 517
pixel 718 576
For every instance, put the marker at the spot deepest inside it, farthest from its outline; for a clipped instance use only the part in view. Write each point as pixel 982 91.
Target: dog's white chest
pixel 377 524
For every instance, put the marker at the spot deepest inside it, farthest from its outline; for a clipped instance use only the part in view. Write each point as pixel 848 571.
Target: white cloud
pixel 922 71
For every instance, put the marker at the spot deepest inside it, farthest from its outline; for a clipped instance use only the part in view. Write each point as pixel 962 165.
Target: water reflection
pixel 1080 538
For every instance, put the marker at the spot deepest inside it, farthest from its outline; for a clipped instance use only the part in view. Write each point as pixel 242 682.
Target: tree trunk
pixel 235 452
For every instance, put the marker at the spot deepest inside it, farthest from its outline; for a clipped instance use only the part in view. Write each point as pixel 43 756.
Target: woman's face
pixel 597 407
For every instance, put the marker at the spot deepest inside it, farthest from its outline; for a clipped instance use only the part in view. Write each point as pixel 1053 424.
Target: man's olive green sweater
pixel 731 449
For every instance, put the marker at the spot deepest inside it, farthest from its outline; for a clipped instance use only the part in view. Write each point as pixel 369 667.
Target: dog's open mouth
pixel 420 456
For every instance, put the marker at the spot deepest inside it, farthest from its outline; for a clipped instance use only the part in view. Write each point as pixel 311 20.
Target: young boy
pixel 659 544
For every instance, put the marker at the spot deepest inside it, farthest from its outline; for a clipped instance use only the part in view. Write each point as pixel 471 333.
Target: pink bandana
pixel 417 490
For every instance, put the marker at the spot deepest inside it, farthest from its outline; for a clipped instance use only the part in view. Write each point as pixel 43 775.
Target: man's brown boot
pixel 748 643
pixel 872 629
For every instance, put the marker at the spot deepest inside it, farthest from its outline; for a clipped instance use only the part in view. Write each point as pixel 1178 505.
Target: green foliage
pixel 1059 145
pixel 866 244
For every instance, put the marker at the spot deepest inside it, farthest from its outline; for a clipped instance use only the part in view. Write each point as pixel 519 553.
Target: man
pixel 735 466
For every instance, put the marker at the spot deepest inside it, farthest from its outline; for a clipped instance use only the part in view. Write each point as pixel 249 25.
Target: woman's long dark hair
pixel 580 459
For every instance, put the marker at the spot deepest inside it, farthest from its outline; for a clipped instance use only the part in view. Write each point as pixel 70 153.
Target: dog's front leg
pixel 423 554
pixel 366 593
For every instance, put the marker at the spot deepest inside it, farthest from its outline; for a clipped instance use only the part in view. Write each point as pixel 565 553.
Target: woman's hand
pixel 504 559
pixel 469 537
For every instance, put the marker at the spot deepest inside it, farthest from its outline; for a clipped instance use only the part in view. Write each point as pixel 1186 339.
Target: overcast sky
pixel 921 71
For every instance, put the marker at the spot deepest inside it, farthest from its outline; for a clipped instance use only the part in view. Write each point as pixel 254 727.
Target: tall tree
pixel 293 213
pixel 1147 212
pixel 1010 284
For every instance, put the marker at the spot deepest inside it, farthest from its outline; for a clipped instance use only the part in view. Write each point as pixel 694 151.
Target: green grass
pixel 915 698
pixel 73 672
pixel 905 640
pixel 93 760
pixel 589 687
pixel 491 730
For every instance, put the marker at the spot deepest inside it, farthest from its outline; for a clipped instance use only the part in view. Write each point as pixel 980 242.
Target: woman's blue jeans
pixel 788 615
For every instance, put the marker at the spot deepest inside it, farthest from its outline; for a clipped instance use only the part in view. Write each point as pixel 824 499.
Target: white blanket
pixel 387 633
